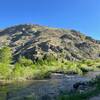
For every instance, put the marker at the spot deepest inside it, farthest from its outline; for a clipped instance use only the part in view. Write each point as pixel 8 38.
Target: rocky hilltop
pixel 36 42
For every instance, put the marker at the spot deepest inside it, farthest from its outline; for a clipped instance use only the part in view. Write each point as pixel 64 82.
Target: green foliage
pixel 17 71
pixel 26 69
pixel 25 62
pixel 50 58
pixel 42 68
pixel 44 72
pixel 5 71
pixel 71 67
pixel 21 72
pixel 5 55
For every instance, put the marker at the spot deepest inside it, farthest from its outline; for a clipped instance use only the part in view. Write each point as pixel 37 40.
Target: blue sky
pixel 82 15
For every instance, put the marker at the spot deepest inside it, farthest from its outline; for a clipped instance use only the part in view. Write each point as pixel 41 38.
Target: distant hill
pixel 36 42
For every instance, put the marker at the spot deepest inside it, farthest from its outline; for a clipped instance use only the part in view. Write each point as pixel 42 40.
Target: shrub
pixel 5 71
pixel 5 55
pixel 21 72
pixel 71 67
pixel 17 71
pixel 25 62
pixel 50 57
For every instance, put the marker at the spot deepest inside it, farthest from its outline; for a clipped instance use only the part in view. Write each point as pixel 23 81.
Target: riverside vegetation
pixel 27 69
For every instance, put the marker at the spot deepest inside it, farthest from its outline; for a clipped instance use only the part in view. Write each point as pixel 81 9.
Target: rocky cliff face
pixel 36 42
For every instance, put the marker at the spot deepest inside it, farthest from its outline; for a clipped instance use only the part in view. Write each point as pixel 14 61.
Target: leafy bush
pixel 5 55
pixel 17 71
pixel 42 68
pixel 5 71
pixel 25 62
pixel 21 72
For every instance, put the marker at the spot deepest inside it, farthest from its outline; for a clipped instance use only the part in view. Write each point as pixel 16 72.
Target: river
pixel 39 88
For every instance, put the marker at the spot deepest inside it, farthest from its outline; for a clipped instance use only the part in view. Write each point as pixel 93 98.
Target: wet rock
pixel 79 84
pixel 82 86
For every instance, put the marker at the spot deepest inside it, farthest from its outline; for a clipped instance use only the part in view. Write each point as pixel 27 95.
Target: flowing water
pixel 39 88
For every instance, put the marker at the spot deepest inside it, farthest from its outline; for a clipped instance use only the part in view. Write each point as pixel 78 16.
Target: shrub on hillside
pixel 25 62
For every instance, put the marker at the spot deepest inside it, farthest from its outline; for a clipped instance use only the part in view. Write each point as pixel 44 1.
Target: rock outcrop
pixel 35 42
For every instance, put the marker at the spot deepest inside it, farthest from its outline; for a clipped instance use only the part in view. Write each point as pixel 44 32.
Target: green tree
pixel 5 55
pixel 5 71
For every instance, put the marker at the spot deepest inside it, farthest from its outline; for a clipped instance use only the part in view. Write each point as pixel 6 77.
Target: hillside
pixel 36 42
pixel 47 63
